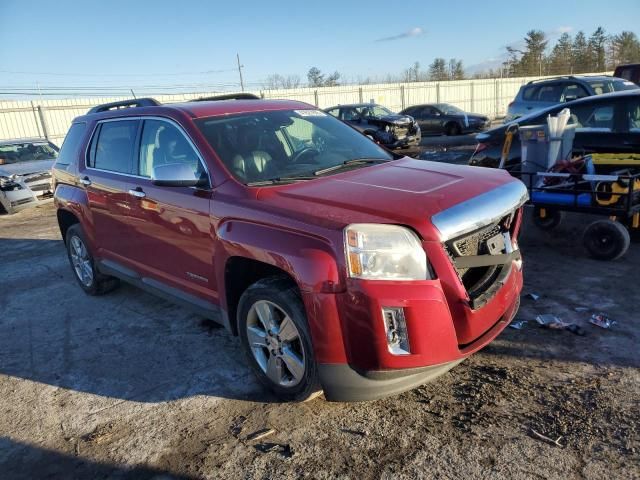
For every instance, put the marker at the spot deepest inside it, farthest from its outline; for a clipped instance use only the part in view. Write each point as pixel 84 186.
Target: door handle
pixel 137 192
pixel 86 181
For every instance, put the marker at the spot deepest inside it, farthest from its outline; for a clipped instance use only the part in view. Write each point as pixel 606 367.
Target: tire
pixel 551 220
pixel 606 240
pixel 83 265
pixel 280 351
pixel 453 129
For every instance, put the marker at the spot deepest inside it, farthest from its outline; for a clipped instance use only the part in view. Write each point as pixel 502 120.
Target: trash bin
pixel 535 145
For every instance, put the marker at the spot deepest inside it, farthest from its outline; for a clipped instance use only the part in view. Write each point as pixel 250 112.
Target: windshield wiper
pixel 279 180
pixel 347 163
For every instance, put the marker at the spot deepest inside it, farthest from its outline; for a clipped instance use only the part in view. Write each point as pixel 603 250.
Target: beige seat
pixel 251 163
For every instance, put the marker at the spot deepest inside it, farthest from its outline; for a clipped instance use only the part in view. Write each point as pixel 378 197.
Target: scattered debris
pixel 581 309
pixel 518 325
pixel 602 320
pixel 260 434
pixel 533 296
pixel 554 323
pixel 544 438
pixel 100 434
pixel 361 433
pixel 281 448
pixel 577 329
pixel 551 321
pixel 236 426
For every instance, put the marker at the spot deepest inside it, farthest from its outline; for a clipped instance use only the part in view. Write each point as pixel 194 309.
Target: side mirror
pixel 175 175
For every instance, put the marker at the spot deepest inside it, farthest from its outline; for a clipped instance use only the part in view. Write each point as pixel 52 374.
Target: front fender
pixel 309 260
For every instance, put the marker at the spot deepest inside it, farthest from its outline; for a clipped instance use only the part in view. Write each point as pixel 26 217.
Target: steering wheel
pixel 304 152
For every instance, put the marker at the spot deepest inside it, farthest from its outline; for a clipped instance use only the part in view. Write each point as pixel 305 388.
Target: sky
pixel 120 44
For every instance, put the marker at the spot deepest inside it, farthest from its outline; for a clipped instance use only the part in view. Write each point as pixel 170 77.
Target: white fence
pixel 51 118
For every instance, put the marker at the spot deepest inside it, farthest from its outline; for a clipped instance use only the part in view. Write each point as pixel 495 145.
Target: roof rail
pixel 559 77
pixel 136 102
pixel 230 96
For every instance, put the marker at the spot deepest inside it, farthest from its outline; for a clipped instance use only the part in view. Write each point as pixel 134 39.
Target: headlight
pixel 384 252
pixel 9 183
pixel 387 128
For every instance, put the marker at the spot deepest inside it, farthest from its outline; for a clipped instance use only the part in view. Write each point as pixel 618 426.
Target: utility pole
pixel 240 72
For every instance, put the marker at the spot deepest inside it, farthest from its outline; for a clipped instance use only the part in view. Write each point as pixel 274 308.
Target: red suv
pixel 341 266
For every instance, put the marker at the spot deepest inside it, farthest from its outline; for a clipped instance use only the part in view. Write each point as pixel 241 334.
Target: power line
pixel 58 74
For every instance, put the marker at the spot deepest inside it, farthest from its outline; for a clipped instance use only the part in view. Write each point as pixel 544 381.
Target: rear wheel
pixel 273 331
pixel 606 240
pixel 547 219
pixel 83 265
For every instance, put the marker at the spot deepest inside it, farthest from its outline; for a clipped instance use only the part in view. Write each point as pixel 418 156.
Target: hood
pixel 405 191
pixel 397 119
pixel 23 168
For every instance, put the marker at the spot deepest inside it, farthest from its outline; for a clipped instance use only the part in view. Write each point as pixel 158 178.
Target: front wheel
pixel 275 338
pixel 606 240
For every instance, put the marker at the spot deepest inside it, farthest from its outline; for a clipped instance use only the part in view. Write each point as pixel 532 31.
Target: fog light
pixel 395 327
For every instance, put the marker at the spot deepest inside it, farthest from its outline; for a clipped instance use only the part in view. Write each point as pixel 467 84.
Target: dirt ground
pixel 130 386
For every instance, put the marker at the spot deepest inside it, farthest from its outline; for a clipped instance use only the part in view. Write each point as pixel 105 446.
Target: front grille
pixel 480 282
pixel 22 201
pixel 41 187
pixel 36 177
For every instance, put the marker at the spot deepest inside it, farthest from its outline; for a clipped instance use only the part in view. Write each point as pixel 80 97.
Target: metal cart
pixel 615 196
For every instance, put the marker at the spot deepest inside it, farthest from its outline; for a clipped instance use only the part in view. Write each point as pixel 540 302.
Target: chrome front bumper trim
pixel 480 211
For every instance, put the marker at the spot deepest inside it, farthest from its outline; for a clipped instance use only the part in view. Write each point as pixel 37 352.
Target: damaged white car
pixel 25 173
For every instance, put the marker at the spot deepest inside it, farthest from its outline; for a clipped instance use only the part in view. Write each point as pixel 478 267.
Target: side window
pixel 112 146
pixel 163 144
pixel 595 118
pixel 633 116
pixel 69 150
pixel 334 111
pixel 549 93
pixel 573 91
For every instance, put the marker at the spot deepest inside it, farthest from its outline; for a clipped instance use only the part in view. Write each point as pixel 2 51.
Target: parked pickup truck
pixel 342 267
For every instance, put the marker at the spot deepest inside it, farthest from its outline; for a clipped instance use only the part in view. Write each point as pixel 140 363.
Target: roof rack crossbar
pixel 230 96
pixel 136 102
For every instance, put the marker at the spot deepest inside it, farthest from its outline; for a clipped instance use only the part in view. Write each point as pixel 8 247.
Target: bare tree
pixel 277 81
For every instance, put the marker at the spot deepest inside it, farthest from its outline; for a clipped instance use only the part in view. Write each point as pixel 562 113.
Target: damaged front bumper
pixel 20 192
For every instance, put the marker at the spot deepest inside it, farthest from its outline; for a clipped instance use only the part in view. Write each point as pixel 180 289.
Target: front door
pixel 171 238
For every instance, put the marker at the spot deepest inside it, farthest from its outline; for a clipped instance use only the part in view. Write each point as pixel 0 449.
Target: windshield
pixel 449 109
pixel 26 152
pixel 373 111
pixel 612 85
pixel 287 144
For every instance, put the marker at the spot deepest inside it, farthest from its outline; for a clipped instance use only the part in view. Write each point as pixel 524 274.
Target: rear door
pixel 106 177
pixel 171 239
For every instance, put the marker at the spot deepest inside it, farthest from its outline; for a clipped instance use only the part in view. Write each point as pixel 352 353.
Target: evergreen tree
pixel 581 56
pixel 597 49
pixel 438 70
pixel 625 48
pixel 561 59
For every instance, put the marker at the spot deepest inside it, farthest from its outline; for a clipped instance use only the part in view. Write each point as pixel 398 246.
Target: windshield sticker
pixel 310 113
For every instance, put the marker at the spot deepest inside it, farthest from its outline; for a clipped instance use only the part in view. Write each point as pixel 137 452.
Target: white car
pixel 25 173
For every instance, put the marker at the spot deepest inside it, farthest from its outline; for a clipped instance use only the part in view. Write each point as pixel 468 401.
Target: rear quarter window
pixel 528 93
pixel 69 150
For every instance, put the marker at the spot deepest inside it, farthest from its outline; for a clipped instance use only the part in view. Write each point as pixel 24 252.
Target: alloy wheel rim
pixel 81 261
pixel 275 344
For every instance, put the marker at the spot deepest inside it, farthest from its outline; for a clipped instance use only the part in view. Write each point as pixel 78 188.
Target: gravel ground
pixel 130 386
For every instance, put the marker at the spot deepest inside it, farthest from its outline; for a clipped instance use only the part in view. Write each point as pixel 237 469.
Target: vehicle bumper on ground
pixel 18 199
pixel 438 339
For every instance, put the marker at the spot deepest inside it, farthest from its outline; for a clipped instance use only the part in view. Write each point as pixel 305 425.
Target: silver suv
pixel 539 94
